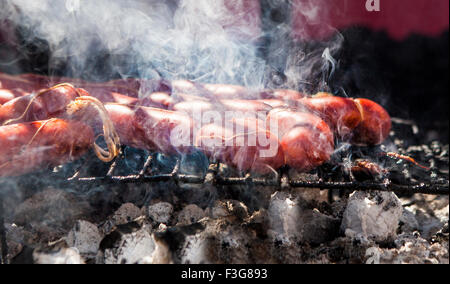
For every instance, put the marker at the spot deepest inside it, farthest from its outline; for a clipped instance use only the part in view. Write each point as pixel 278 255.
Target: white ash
pixel 290 223
pixel 411 249
pixel 222 241
pixel 190 214
pixel 131 248
pixel 195 251
pixel 161 254
pixel 160 212
pixel 60 256
pixel 372 216
pixel 85 237
pixel 284 218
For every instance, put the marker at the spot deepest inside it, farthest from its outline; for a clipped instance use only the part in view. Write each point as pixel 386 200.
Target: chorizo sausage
pixel 38 107
pixel 165 131
pixel 375 126
pixel 341 114
pixel 26 147
pixel 307 141
pixel 243 143
pixel 359 121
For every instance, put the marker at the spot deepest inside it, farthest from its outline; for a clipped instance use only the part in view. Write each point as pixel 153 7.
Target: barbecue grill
pixel 403 179
pixel 142 168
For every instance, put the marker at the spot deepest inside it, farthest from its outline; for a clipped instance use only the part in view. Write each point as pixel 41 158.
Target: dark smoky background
pixel 408 77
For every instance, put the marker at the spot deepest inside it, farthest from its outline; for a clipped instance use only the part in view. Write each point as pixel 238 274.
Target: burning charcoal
pixel 127 245
pixel 410 249
pixel 161 212
pixel 290 222
pixel 284 218
pixel 189 215
pixel 126 213
pixel 237 209
pixel 431 213
pixel 85 237
pixel 311 195
pixel 408 222
pixel 219 210
pixel 318 228
pixel 259 222
pixel 429 224
pixel 222 241
pixel 228 208
pixel 441 236
pixel 51 213
pixel 372 216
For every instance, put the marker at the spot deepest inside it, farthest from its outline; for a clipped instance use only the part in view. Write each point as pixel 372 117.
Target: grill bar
pixel 433 189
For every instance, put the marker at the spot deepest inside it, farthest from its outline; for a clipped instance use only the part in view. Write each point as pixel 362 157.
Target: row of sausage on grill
pixel 47 121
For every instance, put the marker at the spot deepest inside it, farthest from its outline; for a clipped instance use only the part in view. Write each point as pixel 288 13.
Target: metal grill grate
pixel 281 179
pixel 406 178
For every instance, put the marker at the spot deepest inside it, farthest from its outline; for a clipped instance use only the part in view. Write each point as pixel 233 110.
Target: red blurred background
pixel 399 18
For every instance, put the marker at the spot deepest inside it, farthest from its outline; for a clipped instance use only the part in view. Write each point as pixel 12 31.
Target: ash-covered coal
pixel 290 227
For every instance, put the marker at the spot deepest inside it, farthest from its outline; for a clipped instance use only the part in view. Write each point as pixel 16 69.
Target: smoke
pixel 200 40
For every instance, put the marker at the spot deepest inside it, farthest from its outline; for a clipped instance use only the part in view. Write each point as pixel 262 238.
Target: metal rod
pixel 433 189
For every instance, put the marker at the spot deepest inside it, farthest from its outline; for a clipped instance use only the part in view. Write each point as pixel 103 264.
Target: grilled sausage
pixel 341 114
pixel 307 141
pixel 243 143
pixel 375 126
pixel 165 131
pixel 29 108
pixel 25 147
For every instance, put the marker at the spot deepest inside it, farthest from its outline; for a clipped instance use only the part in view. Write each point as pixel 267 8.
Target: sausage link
pixel 243 143
pixel 307 141
pixel 25 147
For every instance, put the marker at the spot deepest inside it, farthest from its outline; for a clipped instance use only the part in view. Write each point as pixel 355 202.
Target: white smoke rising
pixel 200 40
pixel 189 39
